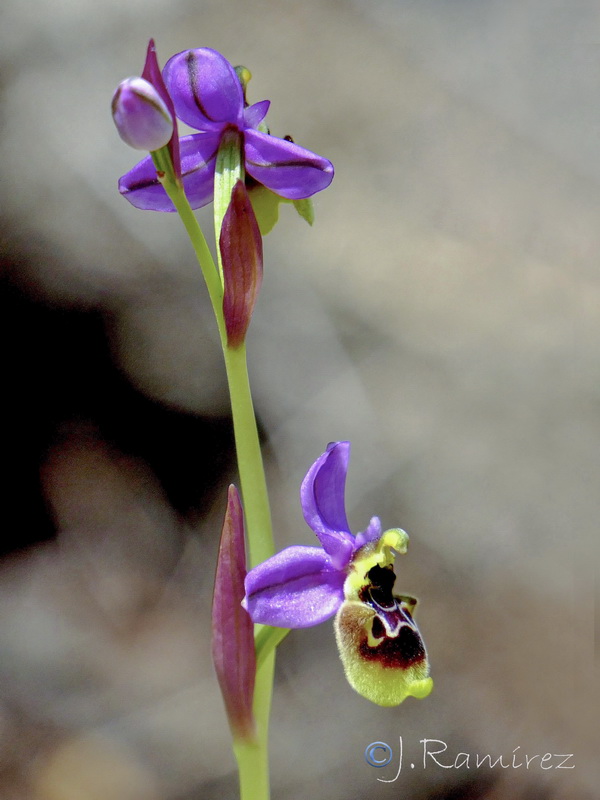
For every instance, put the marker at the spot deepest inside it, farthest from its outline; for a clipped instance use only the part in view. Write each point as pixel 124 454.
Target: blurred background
pixel 442 314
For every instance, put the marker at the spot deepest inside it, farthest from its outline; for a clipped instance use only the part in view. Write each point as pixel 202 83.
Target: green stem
pixel 252 757
pixel 254 783
pixel 266 639
pixel 249 457
pixel 201 249
pixel 247 443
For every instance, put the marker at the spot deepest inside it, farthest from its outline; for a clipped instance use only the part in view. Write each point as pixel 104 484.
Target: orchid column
pixel 235 161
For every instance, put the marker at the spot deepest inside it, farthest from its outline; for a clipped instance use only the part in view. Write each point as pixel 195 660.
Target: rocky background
pixel 442 314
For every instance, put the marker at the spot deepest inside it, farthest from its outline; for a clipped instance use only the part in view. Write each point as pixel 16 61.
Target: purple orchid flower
pixel 208 96
pixel 351 577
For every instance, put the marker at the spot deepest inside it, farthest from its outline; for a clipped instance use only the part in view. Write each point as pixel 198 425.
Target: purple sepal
pixel 285 168
pixel 198 157
pixel 205 88
pixel 232 629
pixel 323 505
pixel 296 588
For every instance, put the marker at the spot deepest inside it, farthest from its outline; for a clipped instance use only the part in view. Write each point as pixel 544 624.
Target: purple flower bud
pixel 141 116
pixel 241 252
pixel 232 629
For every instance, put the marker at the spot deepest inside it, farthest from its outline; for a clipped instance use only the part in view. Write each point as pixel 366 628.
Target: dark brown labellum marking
pixel 396 639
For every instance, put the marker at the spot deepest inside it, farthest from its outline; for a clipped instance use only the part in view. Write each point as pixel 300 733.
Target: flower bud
pixel 141 116
pixel 244 77
pixel 232 629
pixel 240 244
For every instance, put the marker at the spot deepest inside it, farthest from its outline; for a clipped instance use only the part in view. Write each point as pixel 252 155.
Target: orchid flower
pixel 352 578
pixel 208 96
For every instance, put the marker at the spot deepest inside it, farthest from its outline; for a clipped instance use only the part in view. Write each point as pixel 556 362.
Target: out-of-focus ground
pixel 443 315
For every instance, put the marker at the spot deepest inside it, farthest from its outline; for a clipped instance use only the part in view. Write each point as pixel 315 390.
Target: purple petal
pixel 254 115
pixel 198 154
pixel 296 588
pixel 153 75
pixel 372 533
pixel 205 89
pixel 323 505
pixel 288 170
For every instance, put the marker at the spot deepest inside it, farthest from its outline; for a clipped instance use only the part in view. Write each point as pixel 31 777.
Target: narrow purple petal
pixel 323 489
pixel 372 533
pixel 205 89
pixel 287 169
pixel 323 505
pixel 296 588
pixel 153 75
pixel 254 115
pixel 198 154
pixel 232 629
